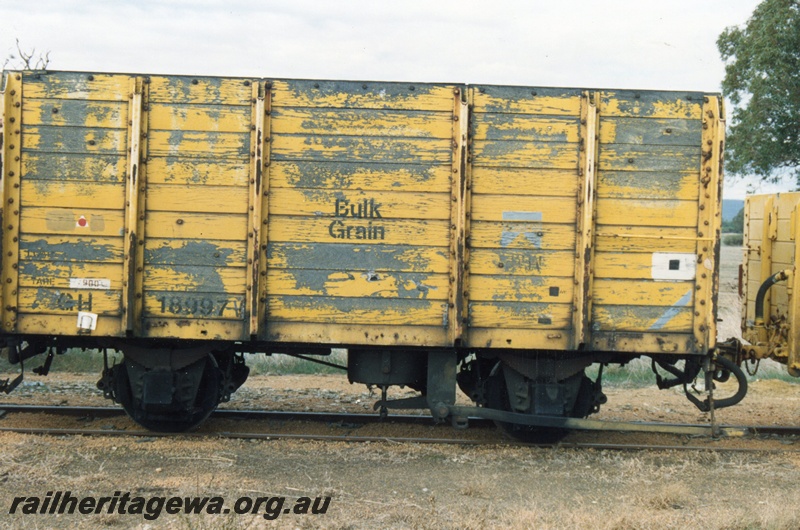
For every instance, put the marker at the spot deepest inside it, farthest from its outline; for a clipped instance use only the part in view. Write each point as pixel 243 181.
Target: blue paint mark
pixel 534 235
pixel 672 312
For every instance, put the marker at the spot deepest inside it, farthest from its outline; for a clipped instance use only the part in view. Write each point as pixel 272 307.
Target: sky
pixel 644 44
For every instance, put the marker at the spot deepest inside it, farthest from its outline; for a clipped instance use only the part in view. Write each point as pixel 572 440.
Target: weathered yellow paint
pixel 383 258
pixel 72 194
pixel 520 289
pixel 520 315
pixel 220 199
pixel 41 300
pixel 105 114
pixel 518 154
pixel 74 249
pixel 198 144
pixel 352 95
pixel 170 328
pixel 514 262
pixel 642 293
pixel 194 279
pixel 372 335
pixel 207 118
pixel 57 275
pixel 361 149
pixel 198 172
pixel 644 212
pixel 357 284
pixel 89 87
pixel 37 324
pixel 532 236
pixel 384 204
pixel 66 140
pixel 520 338
pixel 624 265
pixel 52 221
pixel 183 225
pixel 639 319
pixel 645 239
pixel 616 103
pixel 648 185
pixel 540 105
pixel 362 122
pixel 329 310
pixel 551 209
pixel 200 90
pixel 360 231
pixel 515 181
pixel 525 127
pixel 70 166
pixel 434 178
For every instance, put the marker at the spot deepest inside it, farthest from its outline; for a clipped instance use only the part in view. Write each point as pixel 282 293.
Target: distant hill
pixel 730 207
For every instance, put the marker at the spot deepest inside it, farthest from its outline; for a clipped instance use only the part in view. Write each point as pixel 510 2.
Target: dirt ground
pixel 399 485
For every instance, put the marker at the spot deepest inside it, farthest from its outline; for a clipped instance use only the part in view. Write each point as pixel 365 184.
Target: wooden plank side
pixel 72 194
pixel 78 140
pixel 44 300
pixel 189 144
pixel 381 311
pixel 523 262
pixel 194 279
pixel 74 249
pixel 624 265
pixel 362 122
pixel 79 167
pixel 198 172
pixel 642 318
pixel 361 149
pixel 186 225
pixel 201 253
pixel 525 128
pixel 516 181
pixel 499 207
pixel 193 305
pixel 520 315
pixel 520 235
pixel 339 175
pixel 646 212
pixel 520 289
pixel 200 199
pixel 520 154
pixel 200 90
pixel 77 85
pixel 378 258
pixel 61 275
pixel 95 114
pixel 651 104
pixel 649 131
pixel 627 157
pixel 525 100
pixel 346 283
pixel 362 95
pixel 53 221
pixel 382 232
pixel 648 185
pixel 644 239
pixel 198 118
pixel 359 204
pixel 642 293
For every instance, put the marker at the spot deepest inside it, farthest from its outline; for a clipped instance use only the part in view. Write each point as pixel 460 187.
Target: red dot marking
pixel 82 221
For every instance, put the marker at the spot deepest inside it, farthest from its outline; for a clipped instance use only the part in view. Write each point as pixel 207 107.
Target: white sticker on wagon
pixel 90 283
pixel 674 266
pixel 87 321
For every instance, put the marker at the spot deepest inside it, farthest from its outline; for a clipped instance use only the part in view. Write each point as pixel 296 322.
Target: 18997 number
pixel 200 306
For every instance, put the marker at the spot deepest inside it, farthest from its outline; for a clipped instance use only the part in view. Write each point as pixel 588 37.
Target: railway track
pixel 353 421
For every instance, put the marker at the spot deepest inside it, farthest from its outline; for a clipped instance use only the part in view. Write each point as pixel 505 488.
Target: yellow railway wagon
pixel 437 231
pixel 769 279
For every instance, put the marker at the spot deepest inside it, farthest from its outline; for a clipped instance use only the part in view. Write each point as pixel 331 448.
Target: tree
pixel 736 223
pixel 762 81
pixel 27 60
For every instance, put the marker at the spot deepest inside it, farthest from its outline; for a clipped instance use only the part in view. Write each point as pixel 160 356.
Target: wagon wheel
pixel 175 416
pixel 497 398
